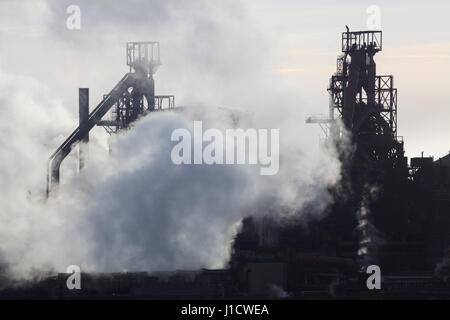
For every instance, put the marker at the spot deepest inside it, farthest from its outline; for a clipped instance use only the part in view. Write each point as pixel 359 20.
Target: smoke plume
pixel 133 209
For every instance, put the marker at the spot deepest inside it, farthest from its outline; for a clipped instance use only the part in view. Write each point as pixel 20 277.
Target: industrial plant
pixel 387 210
pixel 132 97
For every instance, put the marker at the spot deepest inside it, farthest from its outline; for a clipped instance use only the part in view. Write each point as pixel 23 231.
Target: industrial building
pixel 388 210
pixel 132 97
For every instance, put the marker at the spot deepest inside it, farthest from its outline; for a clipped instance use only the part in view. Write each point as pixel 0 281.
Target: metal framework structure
pixel 363 115
pixel 145 53
pixel 383 212
pixel 132 97
pixel 362 102
pixel 362 40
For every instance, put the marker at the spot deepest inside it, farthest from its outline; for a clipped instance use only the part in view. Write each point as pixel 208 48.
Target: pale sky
pixel 416 50
pixel 292 43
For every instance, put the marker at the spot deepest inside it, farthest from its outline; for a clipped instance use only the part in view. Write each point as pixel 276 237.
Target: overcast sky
pixel 416 50
pixel 211 51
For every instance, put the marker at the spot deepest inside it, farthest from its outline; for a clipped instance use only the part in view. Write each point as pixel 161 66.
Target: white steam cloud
pixel 133 209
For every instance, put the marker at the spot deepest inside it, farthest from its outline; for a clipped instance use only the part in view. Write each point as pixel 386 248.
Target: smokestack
pixel 83 99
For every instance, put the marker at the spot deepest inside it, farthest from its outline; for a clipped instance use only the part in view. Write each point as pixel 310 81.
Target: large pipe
pixel 352 88
pixel 370 83
pixel 83 103
pixel 54 163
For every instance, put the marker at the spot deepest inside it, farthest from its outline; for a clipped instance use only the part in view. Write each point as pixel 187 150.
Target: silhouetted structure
pixel 125 102
pixel 384 212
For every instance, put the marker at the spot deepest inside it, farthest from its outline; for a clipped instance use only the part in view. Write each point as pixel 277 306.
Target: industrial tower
pixel 132 97
pixel 363 103
pixel 362 124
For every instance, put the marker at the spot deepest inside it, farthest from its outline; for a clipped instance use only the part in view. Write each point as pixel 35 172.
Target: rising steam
pixel 135 209
pixel 132 209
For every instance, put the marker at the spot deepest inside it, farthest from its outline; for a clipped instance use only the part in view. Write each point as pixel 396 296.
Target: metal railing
pixel 362 40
